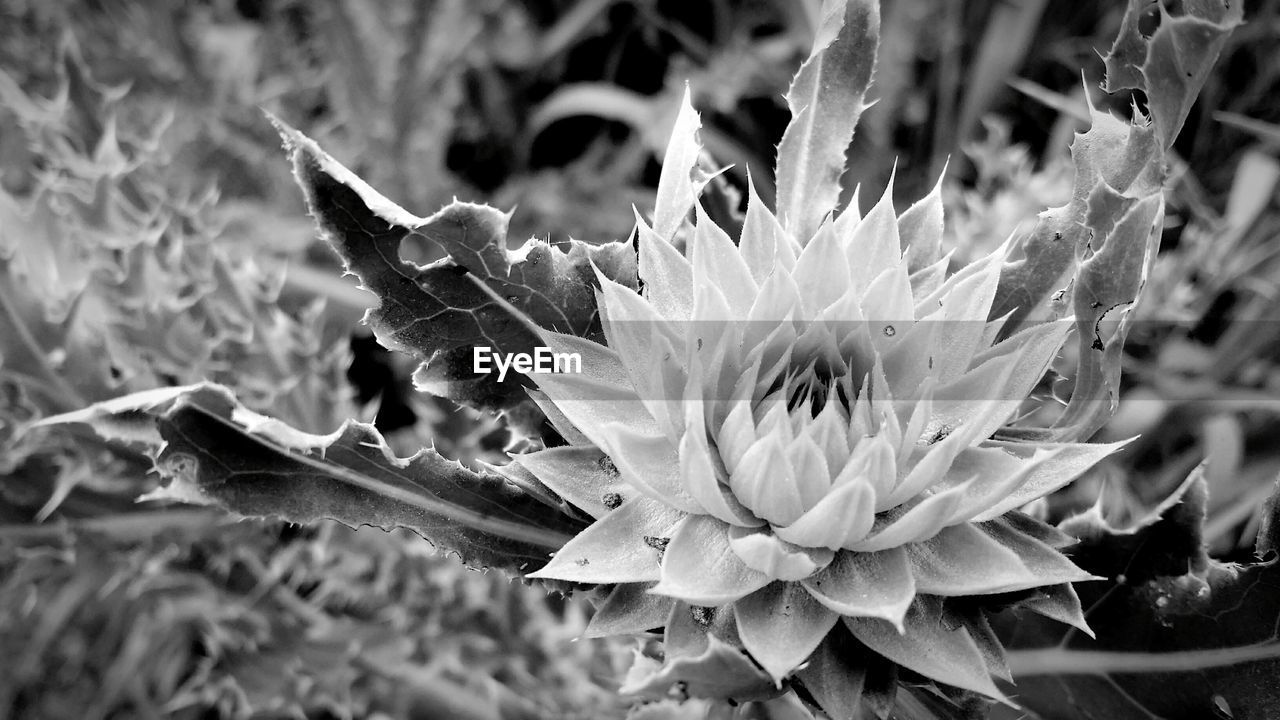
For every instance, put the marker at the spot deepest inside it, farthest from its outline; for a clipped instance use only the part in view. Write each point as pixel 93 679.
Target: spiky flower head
pixel 802 432
pixel 792 434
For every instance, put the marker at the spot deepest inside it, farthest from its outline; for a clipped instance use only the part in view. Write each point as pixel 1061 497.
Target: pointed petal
pixel 764 244
pixel 923 520
pixel 641 339
pixel 613 549
pixel 764 482
pixel 888 307
pixel 821 272
pixel 1059 602
pixel 599 363
pixel 582 475
pixel 700 568
pixel 829 431
pixel 874 585
pixel 874 246
pixel 677 192
pixel 629 610
pixel 737 434
pixel 667 274
pixel 716 260
pixel 651 465
pixel 988 644
pixel 1048 565
pixel 702 475
pixel 781 625
pixel 844 516
pixel 776 558
pixel 964 560
pixel 920 416
pixel 557 418
pixel 920 228
pixel 1067 463
pixel 872 463
pixel 592 406
pixel 928 647
pixel 809 468
pixel 926 281
pixel 961 418
pixel 911 361
pixel 964 319
pixel 690 627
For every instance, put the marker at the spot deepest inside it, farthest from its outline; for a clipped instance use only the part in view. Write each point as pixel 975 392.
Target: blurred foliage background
pixel 150 235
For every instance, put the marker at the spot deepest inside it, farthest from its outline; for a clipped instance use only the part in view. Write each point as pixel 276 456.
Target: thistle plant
pixel 801 430
pixel 797 430
pixel 797 444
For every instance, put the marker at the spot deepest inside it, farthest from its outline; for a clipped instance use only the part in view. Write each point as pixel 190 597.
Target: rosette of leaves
pixel 795 429
pixel 795 446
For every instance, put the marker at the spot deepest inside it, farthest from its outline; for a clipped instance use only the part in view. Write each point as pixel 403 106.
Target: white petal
pixel 844 516
pixel 667 274
pixel 1066 464
pixel 872 585
pixel 591 406
pixel 717 260
pixel 777 558
pixel 613 549
pixel 781 625
pixel 677 192
pixel 700 568
pixel 579 475
pixel 764 244
pixel 650 464
pixel 821 272
pixel 872 463
pixel 874 245
pixel 764 482
pixel 809 468
pixel 702 475
pixel 922 521
pixel 737 434
pixel 920 228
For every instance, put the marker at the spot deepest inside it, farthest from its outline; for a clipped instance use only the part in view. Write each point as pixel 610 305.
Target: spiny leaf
pixel 1172 65
pixel 677 188
pixel 1179 635
pixel 1090 256
pixel 438 312
pixel 720 671
pixel 826 99
pixel 216 452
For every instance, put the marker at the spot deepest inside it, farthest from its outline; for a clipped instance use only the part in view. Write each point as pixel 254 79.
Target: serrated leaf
pixel 216 452
pixel 1172 65
pixel 1089 258
pixel 1107 286
pixel 1179 635
pixel 826 98
pixel 677 188
pixel 720 671
pixel 439 313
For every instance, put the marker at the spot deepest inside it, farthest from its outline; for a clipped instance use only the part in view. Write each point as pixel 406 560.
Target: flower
pixel 800 430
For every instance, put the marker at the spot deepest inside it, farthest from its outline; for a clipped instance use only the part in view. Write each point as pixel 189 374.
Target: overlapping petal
pixel 802 428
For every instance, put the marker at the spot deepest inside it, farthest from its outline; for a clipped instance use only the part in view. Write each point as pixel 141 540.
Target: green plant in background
pixel 797 450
